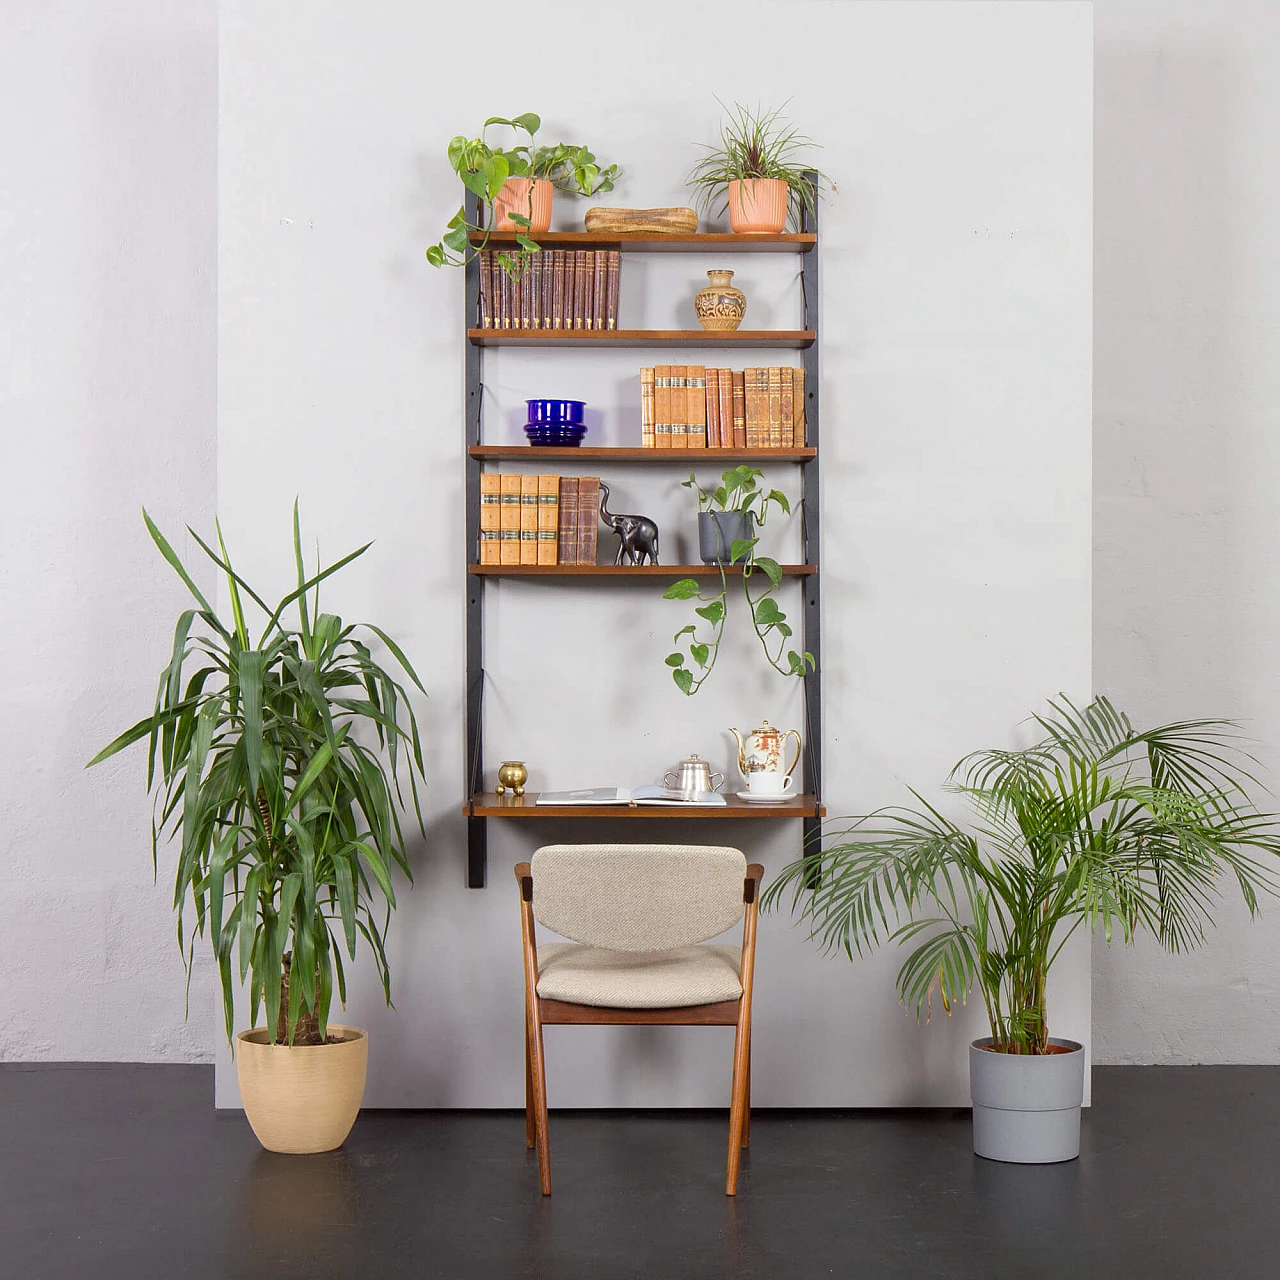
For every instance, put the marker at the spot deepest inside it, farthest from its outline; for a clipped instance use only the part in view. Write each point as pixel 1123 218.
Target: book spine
pixel 509 520
pixel 696 399
pixel 752 396
pixel 548 257
pixel 662 406
pixel 797 398
pixel 486 288
pixel 775 407
pixel 490 518
pixel 615 284
pixel 502 294
pixel 713 408
pixel 739 400
pixel 788 410
pixel 557 289
pixel 726 408
pixel 581 287
pixel 535 291
pixel 588 518
pixel 679 413
pixel 528 519
pixel 600 289
pixel 567 541
pixel 526 293
pixel 646 407
pixel 548 518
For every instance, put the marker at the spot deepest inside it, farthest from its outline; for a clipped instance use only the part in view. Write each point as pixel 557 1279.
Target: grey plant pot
pixel 718 531
pixel 1026 1109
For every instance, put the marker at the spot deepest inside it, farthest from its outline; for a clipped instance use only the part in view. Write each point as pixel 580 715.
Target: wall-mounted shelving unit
pixel 480 807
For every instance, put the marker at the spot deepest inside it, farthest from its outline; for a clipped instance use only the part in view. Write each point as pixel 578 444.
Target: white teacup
pixel 768 784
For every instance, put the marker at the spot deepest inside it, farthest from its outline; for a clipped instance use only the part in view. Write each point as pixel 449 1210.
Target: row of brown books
pixel 555 289
pixel 543 520
pixel 692 407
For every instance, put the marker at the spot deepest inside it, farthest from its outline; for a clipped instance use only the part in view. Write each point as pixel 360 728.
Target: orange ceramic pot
pixel 758 205
pixel 515 198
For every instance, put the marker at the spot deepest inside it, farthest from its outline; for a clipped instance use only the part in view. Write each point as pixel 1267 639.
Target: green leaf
pixel 713 612
pixel 772 568
pixel 684 679
pixel 768 614
pixel 776 495
pixel 740 549
pixel 684 589
pixel 675 660
pixel 171 556
pixel 699 653
pixel 249 668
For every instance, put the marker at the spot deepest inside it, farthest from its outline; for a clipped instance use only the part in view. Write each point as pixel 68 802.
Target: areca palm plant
pixel 276 764
pixel 1097 824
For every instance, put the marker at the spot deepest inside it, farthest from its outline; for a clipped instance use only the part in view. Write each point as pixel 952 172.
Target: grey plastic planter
pixel 718 531
pixel 1026 1109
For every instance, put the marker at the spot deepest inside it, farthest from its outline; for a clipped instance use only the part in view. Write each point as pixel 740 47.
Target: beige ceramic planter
pixel 302 1099
pixel 514 198
pixel 758 205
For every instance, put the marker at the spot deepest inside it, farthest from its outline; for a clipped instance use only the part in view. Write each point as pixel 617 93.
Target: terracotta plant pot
pixel 758 205
pixel 514 198
pixel 304 1099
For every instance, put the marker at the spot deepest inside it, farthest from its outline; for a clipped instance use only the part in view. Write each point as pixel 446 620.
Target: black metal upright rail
pixel 811 523
pixel 477 835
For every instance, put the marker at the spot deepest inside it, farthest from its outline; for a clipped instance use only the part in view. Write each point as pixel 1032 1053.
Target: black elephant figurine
pixel 637 535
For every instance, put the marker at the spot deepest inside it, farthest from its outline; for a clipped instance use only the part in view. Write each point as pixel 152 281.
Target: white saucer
pixel 754 797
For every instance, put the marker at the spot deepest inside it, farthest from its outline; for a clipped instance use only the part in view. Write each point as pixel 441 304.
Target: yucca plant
pixel 1096 824
pixel 287 820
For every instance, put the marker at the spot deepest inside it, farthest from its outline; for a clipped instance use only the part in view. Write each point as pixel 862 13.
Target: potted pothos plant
pixel 276 764
pixel 1097 825
pixel 729 516
pixel 760 169
pixel 515 185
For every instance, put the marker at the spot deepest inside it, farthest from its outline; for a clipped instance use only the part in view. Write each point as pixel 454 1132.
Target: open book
pixel 632 795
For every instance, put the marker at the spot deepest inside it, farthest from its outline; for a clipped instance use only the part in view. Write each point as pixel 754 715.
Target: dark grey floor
pixel 119 1171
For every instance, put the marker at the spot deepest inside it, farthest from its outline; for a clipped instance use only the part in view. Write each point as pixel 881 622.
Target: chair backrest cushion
pixel 638 897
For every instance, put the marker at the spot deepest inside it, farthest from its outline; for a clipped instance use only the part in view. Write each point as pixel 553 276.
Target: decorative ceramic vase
pixel 301 1099
pixel 513 774
pixel 720 305
pixel 515 198
pixel 758 205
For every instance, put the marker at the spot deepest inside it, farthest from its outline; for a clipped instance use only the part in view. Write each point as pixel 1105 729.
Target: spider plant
pixel 286 820
pixel 756 143
pixel 1095 824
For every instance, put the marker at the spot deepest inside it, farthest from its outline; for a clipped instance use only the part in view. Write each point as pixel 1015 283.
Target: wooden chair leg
pixel 539 1075
pixel 529 1132
pixel 746 1103
pixel 736 1099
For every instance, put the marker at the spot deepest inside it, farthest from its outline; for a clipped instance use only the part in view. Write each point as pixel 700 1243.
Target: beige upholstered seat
pixel 639 919
pixel 638 979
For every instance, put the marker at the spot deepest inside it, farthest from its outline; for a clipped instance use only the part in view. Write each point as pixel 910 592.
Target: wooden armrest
pixel 751 885
pixel 524 878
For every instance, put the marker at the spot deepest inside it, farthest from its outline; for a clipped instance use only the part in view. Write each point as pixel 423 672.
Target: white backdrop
pixel 956 394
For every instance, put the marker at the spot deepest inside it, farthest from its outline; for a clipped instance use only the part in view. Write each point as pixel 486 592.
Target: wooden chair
pixel 637 914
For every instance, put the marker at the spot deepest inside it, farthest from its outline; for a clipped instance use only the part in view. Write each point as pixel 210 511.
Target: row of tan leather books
pixel 538 520
pixel 555 289
pixel 693 407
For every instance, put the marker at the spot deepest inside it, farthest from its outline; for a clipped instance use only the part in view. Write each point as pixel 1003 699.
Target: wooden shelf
pixel 623 570
pixel 488 805
pixel 660 242
pixel 795 339
pixel 612 453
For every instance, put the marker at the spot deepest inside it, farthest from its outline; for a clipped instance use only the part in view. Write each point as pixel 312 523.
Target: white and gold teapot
pixel 761 755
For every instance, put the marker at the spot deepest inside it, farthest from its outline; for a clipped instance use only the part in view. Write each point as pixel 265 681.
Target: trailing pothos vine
pixel 738 493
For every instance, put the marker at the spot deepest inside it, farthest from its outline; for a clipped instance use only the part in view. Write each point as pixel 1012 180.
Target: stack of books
pixel 692 407
pixel 557 289
pixel 538 520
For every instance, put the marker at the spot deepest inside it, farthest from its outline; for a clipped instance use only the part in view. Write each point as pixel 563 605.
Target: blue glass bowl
pixel 558 412
pixel 554 436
